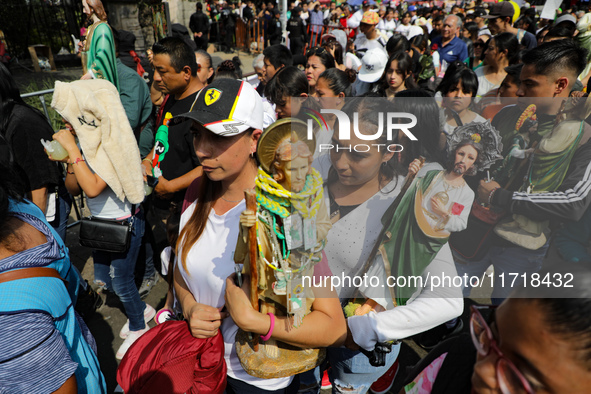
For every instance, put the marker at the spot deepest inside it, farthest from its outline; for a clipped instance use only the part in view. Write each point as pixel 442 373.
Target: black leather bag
pixel 107 235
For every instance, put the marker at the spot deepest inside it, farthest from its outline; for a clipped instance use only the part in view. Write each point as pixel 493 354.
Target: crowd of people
pixel 491 179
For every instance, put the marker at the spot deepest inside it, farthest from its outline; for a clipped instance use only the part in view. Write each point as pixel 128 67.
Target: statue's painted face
pixel 465 158
pixel 295 172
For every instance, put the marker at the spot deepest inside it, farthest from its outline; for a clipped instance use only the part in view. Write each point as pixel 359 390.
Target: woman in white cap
pixel 373 64
pixel 227 124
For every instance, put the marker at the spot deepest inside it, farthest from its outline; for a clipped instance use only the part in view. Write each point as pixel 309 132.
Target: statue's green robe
pixel 410 243
pixel 98 55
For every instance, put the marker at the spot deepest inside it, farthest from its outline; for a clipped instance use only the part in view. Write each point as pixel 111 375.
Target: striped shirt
pixel 34 357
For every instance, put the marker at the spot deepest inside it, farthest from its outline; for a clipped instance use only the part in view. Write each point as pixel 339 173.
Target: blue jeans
pixel 350 371
pixel 507 262
pixel 115 271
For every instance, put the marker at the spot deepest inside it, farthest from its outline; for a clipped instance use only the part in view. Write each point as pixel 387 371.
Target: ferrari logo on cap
pixel 212 95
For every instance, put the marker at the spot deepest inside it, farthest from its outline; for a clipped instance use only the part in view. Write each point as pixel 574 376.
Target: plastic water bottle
pixel 54 149
pixel 147 189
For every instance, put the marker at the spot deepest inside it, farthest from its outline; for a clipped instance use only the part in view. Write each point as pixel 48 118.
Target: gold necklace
pixel 231 201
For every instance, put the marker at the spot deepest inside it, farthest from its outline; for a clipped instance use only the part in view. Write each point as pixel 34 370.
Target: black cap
pixel 501 10
pixel 479 12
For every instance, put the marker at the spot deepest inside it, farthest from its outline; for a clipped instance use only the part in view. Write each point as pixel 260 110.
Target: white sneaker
pixel 149 314
pixel 131 338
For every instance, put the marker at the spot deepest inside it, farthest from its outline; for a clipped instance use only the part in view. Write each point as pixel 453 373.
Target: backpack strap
pixel 34 272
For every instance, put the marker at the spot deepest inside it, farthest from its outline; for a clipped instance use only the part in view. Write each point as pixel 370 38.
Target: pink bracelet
pixel 268 336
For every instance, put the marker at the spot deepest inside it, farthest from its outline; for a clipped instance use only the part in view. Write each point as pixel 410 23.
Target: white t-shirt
pixel 351 239
pixel 404 30
pixel 209 262
pixel 107 205
pixel 355 20
pixel 484 85
pixel 362 43
pixel 387 27
pixel 449 129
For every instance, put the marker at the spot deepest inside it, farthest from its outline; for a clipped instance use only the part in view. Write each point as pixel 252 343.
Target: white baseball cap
pixel 373 64
pixel 226 107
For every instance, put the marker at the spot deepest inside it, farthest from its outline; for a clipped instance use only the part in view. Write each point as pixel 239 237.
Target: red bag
pixel 168 359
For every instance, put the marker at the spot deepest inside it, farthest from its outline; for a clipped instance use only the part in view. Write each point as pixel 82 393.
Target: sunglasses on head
pixel 315 51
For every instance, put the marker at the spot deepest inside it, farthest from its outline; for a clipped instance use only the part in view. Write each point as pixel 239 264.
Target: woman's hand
pixel 204 320
pixel 67 140
pixel 248 218
pixel 414 167
pixel 240 308
pixel 438 207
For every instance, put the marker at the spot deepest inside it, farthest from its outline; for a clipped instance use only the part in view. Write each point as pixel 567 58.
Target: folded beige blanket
pixel 94 110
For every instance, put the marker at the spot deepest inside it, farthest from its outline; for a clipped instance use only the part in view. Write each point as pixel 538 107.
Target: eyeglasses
pixel 479 44
pixel 511 380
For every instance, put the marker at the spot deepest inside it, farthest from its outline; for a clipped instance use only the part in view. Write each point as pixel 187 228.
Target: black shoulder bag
pixel 107 235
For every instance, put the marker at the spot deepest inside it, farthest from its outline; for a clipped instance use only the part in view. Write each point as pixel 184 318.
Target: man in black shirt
pixel 297 32
pixel 175 74
pixel 175 71
pixel 199 25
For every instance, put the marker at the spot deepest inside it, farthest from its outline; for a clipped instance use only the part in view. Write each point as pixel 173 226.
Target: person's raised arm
pixel 167 187
pixel 89 182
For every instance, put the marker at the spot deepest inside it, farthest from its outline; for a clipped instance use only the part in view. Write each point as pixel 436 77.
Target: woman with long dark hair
pixel 288 90
pixel 397 75
pixel 332 89
pixel 502 52
pixel 361 183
